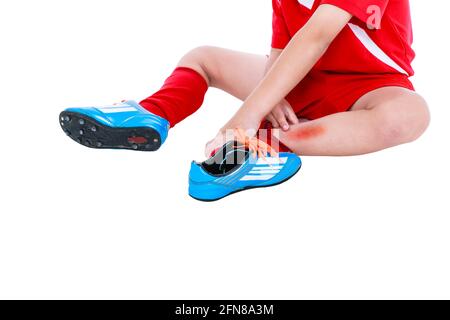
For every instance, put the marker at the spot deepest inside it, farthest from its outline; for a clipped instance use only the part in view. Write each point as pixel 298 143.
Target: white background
pixel 82 223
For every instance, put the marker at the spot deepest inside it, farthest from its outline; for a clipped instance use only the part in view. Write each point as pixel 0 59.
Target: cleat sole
pixel 100 136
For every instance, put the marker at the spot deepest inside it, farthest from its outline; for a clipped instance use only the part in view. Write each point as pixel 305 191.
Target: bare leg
pixel 237 73
pixel 381 119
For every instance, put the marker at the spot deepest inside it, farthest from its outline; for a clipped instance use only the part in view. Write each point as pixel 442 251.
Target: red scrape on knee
pixel 306 132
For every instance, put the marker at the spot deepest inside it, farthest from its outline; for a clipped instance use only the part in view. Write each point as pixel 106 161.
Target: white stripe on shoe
pixel 117 110
pixel 258 177
pixel 274 167
pixel 262 172
pixel 271 161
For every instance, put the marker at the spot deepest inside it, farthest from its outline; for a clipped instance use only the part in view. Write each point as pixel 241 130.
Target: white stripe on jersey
pixel 373 48
pixel 307 3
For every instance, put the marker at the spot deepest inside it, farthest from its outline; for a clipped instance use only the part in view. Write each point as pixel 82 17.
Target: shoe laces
pixel 256 147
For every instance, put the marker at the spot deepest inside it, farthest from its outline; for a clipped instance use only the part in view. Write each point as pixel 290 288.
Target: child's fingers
pixel 208 149
pixel 292 117
pixel 281 118
pixel 273 121
pixel 216 143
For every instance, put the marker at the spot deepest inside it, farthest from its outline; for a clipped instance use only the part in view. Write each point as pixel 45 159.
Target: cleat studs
pixel 156 140
pixel 81 132
pixel 99 144
pixel 81 121
pixel 134 146
pixel 62 124
pixel 147 146
pixel 67 118
pixel 94 129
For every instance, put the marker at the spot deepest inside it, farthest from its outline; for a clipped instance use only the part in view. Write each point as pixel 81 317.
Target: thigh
pixel 237 73
pixel 383 95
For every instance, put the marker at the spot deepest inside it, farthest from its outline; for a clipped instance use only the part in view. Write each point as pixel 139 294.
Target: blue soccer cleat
pixel 235 168
pixel 122 126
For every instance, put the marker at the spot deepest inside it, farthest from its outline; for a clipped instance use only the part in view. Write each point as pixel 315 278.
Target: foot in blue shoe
pixel 236 168
pixel 122 126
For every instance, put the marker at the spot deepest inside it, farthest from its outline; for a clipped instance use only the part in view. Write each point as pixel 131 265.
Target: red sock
pixel 181 95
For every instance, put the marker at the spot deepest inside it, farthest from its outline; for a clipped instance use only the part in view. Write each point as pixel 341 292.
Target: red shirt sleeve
pixel 368 11
pixel 280 35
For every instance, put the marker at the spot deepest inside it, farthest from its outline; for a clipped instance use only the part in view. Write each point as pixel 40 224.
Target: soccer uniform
pixel 372 51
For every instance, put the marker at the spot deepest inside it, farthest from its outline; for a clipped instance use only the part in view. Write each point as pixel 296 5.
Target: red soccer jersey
pixel 377 39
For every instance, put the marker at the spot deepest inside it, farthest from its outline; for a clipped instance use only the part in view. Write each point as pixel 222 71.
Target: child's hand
pixel 282 116
pixel 215 144
pixel 246 122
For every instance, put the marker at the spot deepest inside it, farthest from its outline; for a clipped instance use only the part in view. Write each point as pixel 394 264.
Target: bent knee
pixel 199 53
pixel 403 120
pixel 201 59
